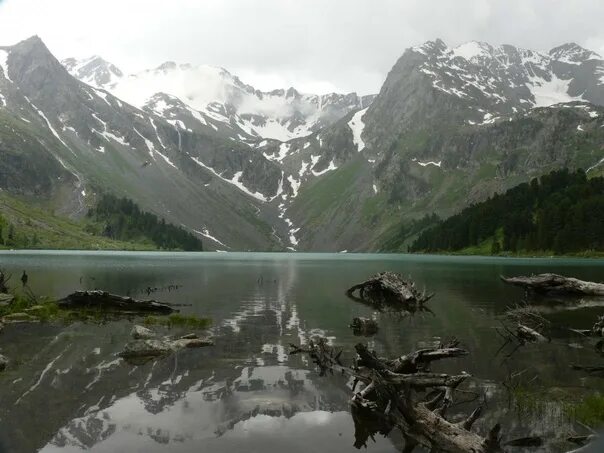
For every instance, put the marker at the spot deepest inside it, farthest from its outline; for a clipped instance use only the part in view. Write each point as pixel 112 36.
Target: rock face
pixel 146 347
pixel 141 333
pixel 106 301
pixel 143 350
pixel 3 362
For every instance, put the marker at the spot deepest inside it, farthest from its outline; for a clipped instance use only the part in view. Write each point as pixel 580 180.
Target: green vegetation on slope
pixel 25 225
pixel 122 219
pixel 561 213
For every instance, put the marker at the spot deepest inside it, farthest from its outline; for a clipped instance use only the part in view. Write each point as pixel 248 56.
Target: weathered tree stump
pixel 389 398
pixel 388 288
pixel 113 302
pixel 556 284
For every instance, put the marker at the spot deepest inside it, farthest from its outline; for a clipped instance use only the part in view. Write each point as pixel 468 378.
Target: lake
pixel 66 391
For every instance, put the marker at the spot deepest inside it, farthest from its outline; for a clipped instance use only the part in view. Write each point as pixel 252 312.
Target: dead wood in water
pixel 113 302
pixel 388 288
pixel 364 326
pixel 553 283
pixel 389 398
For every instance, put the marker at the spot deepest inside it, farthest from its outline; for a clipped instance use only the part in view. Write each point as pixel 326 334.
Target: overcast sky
pixel 314 45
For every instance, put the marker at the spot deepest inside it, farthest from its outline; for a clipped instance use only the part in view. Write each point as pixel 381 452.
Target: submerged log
pixel 388 288
pixel 389 398
pixel 553 283
pixel 113 302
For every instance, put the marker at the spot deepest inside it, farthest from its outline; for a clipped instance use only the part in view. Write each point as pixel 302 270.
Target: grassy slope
pixel 53 232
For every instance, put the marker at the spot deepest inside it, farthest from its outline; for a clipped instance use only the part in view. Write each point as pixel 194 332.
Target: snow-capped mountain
pixel 502 80
pixel 94 71
pixel 192 144
pixel 217 95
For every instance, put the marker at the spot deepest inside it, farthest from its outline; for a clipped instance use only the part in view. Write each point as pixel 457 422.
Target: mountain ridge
pixel 430 141
pixel 280 114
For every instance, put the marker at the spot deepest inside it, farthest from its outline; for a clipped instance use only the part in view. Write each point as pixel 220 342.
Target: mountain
pixel 212 94
pixel 66 141
pixel 449 127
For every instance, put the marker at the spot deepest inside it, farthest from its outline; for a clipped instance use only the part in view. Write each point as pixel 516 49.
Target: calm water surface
pixel 66 391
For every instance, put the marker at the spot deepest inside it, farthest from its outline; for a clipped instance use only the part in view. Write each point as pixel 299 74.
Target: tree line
pixel 561 212
pixel 122 219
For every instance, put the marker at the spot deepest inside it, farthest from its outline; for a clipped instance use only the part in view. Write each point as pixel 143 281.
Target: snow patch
pixel 330 167
pixel 4 64
pixel 601 161
pixel 236 180
pixel 425 164
pixel 470 50
pixel 554 91
pixel 206 233
pixel 357 126
pixel 52 129
pixel 295 185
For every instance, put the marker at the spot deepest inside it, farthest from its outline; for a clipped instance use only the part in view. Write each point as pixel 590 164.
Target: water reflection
pixel 246 393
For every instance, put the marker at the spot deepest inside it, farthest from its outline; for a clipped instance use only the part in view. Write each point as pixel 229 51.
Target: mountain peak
pixel 472 49
pixel 32 44
pixel 95 70
pixel 430 47
pixel 572 53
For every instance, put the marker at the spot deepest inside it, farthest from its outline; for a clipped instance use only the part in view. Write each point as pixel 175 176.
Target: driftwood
pixel 553 283
pixel 389 398
pixel 112 302
pixel 388 288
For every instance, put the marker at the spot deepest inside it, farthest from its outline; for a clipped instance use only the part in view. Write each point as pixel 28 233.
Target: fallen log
pixel 553 283
pixel 112 302
pixel 389 400
pixel 388 288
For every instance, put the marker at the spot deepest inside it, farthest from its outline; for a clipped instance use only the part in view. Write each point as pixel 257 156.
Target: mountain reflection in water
pixel 67 391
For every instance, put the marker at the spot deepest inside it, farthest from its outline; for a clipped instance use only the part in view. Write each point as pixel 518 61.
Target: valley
pixel 245 169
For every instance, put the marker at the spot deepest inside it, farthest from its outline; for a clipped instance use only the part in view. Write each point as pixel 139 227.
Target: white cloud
pixel 316 45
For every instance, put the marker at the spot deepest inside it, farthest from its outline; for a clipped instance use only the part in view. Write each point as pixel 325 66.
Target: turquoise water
pixel 67 391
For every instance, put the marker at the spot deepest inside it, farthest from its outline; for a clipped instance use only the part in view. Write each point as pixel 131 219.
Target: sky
pixel 317 46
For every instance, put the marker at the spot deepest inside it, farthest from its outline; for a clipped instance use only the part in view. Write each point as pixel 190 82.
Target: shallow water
pixel 65 389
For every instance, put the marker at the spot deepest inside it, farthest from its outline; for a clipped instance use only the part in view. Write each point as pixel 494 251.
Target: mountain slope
pixel 94 141
pixel 449 127
pixel 561 212
pixel 433 142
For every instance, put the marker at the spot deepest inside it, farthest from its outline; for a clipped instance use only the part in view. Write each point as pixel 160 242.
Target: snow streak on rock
pixel 356 125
